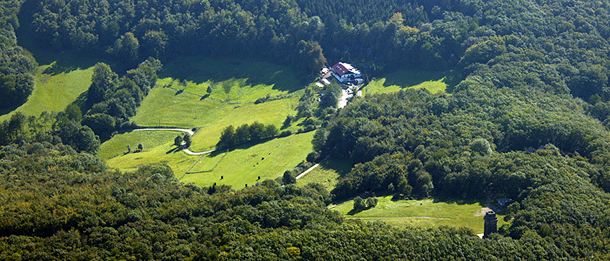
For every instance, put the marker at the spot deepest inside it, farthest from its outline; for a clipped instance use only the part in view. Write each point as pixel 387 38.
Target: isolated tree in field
pixel 187 140
pixel 140 147
pixel 178 140
pixel 209 90
pixel 128 148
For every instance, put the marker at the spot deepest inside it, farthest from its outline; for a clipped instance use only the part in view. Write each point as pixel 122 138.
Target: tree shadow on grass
pixel 459 201
pixel 174 150
pixel 200 69
pixel 407 78
pixel 341 167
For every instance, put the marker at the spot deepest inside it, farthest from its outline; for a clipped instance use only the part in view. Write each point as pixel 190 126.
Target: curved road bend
pixel 190 132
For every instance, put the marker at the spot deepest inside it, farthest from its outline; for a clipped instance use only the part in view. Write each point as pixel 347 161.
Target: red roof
pixel 340 69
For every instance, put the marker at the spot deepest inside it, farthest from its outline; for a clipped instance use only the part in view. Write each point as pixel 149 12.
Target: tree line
pixel 112 100
pixel 17 67
pixel 245 133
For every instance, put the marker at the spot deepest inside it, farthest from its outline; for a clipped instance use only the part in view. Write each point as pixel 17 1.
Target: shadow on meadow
pixel 200 69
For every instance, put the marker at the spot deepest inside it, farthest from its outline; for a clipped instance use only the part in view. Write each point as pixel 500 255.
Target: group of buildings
pixel 345 73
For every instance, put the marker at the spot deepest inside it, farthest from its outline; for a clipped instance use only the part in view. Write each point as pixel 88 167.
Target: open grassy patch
pixel 117 146
pixel 326 174
pixel 423 213
pixel 54 91
pixel 245 164
pixel 179 161
pixel 402 79
pixel 181 98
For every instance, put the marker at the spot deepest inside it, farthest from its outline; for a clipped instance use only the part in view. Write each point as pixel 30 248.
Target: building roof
pixel 344 68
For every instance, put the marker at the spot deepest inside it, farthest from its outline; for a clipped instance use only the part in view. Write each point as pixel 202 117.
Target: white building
pixel 345 72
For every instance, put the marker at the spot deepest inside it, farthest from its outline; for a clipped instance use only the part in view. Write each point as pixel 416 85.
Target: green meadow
pixel 54 91
pixel 181 98
pixel 326 174
pixel 267 160
pixel 433 81
pixel 117 146
pixel 422 213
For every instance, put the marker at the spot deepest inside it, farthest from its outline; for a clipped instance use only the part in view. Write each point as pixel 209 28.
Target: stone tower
pixel 491 223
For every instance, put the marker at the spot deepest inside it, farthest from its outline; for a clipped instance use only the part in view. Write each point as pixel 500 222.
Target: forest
pixel 526 116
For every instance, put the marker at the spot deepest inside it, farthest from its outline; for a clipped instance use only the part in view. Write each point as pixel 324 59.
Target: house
pixel 345 73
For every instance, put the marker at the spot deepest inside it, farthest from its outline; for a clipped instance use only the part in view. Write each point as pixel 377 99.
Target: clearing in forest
pixel 54 89
pixel 267 160
pixel 182 97
pixel 211 94
pixel 433 81
pixel 326 174
pixel 422 213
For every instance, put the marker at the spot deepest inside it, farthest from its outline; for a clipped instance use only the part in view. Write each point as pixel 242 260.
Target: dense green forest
pixel 16 65
pixel 526 117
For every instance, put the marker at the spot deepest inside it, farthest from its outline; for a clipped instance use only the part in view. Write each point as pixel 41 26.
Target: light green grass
pixel 54 92
pixel 244 165
pixel 422 213
pixel 117 146
pixel 183 105
pixel 326 174
pixel 179 161
pixel 402 79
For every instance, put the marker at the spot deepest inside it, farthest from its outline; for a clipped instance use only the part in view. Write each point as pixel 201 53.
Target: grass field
pixel 54 91
pixel 422 213
pixel 326 174
pixel 117 146
pixel 396 81
pixel 181 99
pixel 245 164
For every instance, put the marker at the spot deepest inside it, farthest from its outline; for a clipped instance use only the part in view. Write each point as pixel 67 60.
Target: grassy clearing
pixel 181 98
pixel 179 161
pixel 396 81
pixel 54 91
pixel 244 165
pixel 117 146
pixel 423 213
pixel 326 174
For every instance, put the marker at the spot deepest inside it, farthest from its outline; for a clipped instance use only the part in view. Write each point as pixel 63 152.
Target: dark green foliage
pixel 113 101
pixel 15 89
pixel 17 66
pixel 178 140
pixel 187 140
pixel 289 178
pixel 330 96
pixel 245 133
pixel 515 66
